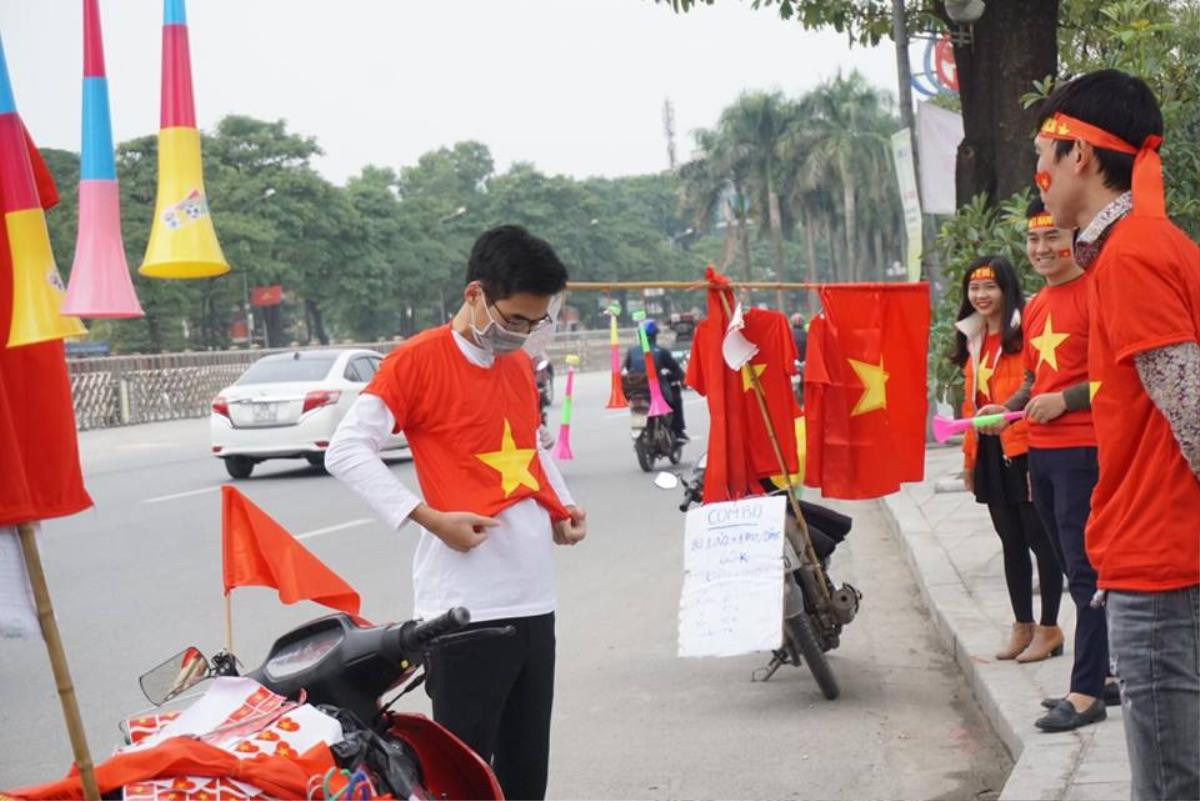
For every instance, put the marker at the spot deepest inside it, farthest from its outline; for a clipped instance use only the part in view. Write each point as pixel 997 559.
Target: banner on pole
pixel 906 178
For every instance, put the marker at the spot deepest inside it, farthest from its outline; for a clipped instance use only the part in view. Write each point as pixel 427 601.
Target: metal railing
pixel 125 390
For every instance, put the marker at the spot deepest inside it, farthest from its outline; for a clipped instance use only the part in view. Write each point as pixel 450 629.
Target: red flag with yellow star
pixel 865 391
pixel 739 447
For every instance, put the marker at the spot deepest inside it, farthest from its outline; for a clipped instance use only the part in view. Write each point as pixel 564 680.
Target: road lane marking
pixel 339 527
pixel 187 494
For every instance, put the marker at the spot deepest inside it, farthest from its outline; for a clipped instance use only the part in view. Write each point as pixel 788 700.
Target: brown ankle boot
pixel 1018 641
pixel 1047 642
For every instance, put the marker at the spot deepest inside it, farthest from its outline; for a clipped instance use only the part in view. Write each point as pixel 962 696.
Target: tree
pixel 1011 46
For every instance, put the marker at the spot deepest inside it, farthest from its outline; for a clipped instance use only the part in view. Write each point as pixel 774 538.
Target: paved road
pixel 138 578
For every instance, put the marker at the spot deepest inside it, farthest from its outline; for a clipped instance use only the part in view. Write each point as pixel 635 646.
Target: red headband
pixel 1148 200
pixel 984 273
pixel 1042 219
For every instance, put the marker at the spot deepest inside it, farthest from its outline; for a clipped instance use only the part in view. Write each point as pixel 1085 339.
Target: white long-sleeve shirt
pixel 510 574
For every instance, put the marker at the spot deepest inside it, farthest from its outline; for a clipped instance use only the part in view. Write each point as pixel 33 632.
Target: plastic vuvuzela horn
pixel 616 397
pixel 36 285
pixel 562 448
pixel 183 242
pixel 946 427
pixel 100 285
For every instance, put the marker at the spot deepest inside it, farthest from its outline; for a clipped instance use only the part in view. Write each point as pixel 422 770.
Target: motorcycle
pixel 815 611
pixel 653 437
pixel 343 666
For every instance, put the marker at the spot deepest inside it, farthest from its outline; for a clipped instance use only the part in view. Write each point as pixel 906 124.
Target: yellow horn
pixel 183 243
pixel 37 287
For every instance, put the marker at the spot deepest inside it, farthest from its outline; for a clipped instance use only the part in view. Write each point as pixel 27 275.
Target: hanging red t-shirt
pixel 1144 294
pixel 472 429
pixel 1056 352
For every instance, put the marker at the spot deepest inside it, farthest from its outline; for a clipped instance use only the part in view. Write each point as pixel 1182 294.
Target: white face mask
pixel 495 338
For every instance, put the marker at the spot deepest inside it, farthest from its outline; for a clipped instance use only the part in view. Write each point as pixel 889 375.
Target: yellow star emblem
pixel 801 450
pixel 512 463
pixel 1093 388
pixel 747 382
pixel 1047 344
pixel 874 380
pixel 985 376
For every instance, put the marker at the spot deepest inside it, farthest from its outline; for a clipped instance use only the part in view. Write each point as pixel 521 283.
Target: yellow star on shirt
pixel 512 463
pixel 1047 344
pixel 985 375
pixel 1093 388
pixel 874 380
pixel 747 383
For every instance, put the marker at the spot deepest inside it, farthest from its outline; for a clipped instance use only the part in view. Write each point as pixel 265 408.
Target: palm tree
pixel 714 184
pixel 847 149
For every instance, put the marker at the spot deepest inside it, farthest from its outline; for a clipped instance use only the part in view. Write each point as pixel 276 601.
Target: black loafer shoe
pixel 1064 717
pixel 1111 696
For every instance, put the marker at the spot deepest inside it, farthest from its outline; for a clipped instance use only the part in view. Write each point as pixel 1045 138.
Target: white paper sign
pixel 732 598
pixel 736 349
pixel 18 615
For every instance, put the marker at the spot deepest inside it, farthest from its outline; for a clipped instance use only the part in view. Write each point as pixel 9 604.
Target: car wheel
pixel 316 459
pixel 239 466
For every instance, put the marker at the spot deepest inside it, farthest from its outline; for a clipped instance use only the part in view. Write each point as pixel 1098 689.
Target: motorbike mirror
pixel 667 481
pixel 181 672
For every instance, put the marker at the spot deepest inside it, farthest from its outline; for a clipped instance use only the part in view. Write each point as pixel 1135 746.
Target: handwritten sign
pixel 732 598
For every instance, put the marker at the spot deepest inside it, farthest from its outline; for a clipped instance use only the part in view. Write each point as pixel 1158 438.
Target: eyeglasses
pixel 519 324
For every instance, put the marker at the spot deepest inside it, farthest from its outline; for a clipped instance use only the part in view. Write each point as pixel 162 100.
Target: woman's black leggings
pixel 1021 531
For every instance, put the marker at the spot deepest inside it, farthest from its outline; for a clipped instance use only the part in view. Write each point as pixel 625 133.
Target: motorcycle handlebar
pixel 415 635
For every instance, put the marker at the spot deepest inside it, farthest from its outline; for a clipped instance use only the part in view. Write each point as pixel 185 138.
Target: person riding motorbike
pixel 667 366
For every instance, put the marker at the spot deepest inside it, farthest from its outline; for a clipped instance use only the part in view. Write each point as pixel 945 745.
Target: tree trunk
pixel 1014 44
pixel 850 210
pixel 313 311
pixel 745 241
pixel 808 230
pixel 776 237
pixel 155 332
pixel 880 260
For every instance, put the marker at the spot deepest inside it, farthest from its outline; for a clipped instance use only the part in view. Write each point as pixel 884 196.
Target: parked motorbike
pixel 343 665
pixel 653 437
pixel 815 611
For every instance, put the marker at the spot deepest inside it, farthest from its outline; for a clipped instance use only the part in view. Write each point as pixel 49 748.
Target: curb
pixel 1044 765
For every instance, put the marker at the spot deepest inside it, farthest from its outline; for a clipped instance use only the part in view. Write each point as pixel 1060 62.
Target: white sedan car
pixel 287 406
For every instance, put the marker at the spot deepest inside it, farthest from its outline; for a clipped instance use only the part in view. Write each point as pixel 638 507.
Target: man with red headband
pixel 1098 169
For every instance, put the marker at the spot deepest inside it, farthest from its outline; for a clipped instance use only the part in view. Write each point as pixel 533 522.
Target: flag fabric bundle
pixel 865 389
pixel 257 551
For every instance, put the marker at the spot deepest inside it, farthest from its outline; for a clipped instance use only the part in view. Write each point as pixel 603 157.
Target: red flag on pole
pixel 40 475
pixel 739 448
pixel 257 551
pixel 865 392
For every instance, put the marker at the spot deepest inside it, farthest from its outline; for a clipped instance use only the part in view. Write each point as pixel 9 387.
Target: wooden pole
pixel 229 622
pixel 793 498
pixel 58 661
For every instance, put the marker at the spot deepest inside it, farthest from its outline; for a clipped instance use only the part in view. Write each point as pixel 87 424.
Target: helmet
pixel 651 328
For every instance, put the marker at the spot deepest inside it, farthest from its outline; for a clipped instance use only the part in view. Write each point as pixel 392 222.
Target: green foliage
pixel 864 22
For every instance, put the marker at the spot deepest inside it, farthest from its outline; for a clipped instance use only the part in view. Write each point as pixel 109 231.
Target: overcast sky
pixel 574 86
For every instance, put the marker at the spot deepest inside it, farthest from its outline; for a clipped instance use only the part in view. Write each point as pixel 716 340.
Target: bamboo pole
pixel 58 661
pixel 580 286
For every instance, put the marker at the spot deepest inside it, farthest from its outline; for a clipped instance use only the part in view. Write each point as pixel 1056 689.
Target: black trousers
pixel 674 397
pixel 1062 480
pixel 495 694
pixel 1020 532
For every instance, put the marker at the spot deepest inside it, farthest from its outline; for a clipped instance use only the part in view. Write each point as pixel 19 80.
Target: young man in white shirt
pixel 493 502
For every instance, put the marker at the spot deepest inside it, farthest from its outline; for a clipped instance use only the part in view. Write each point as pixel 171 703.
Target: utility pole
pixel 669 130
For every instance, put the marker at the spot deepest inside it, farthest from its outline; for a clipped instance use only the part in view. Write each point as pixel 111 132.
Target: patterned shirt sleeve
pixel 1171 376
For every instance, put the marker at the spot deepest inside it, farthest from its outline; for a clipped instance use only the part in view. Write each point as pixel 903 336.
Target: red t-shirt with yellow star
pixel 1144 294
pixel 472 430
pixel 1056 348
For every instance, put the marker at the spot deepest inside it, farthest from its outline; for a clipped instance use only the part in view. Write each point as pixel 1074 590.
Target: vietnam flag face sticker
pixel 1042 179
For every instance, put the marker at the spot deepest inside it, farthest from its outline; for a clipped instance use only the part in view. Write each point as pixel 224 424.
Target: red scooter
pixel 343 665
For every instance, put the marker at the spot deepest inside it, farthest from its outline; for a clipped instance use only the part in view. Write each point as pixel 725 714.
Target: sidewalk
pixel 955 554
